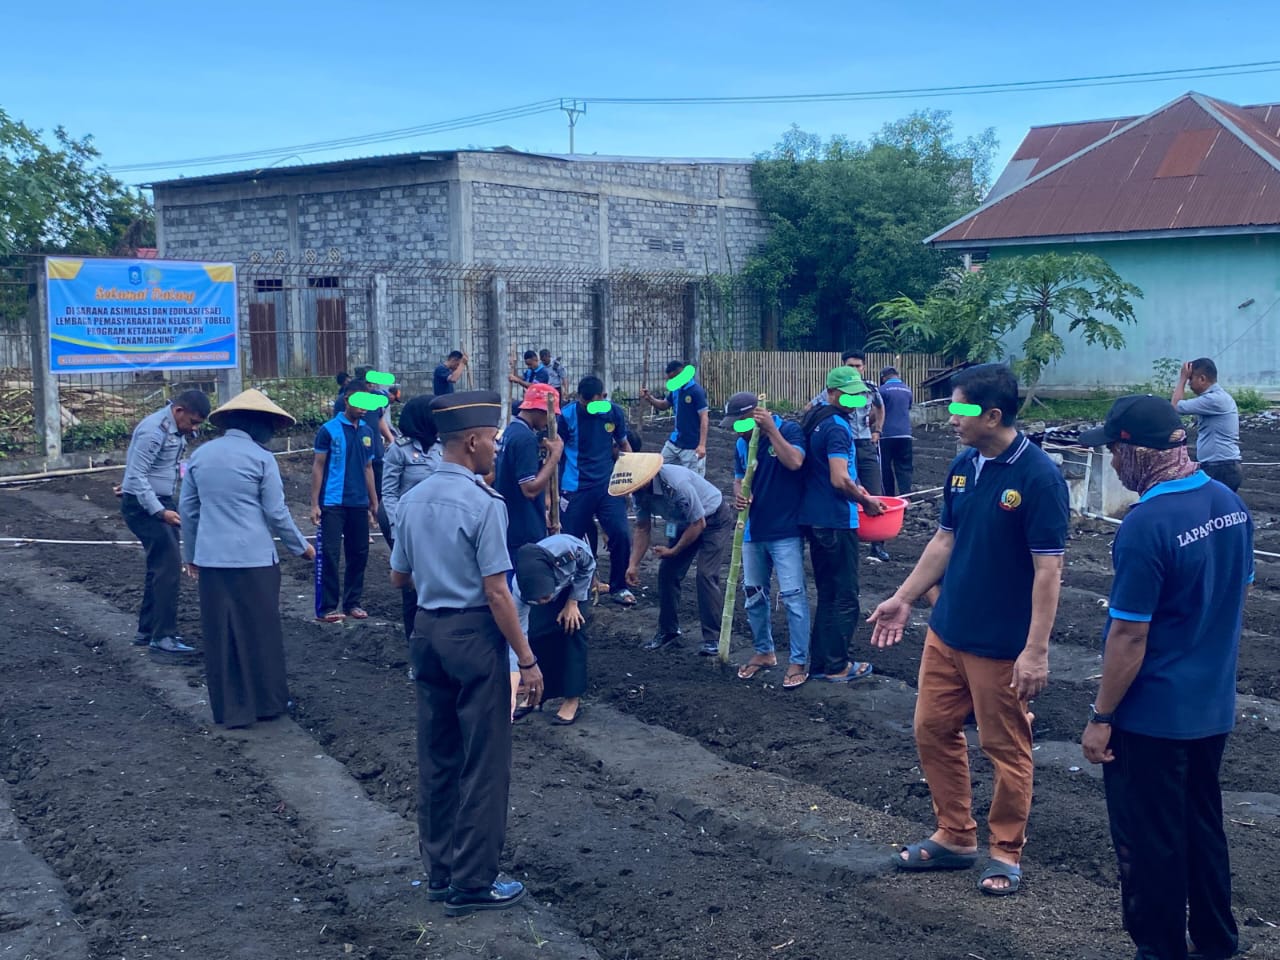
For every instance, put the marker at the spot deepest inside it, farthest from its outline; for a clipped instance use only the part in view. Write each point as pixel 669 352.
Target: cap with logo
pixel 740 405
pixel 847 380
pixel 1141 420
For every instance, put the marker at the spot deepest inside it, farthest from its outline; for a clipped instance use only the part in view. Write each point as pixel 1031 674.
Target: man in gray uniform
pixel 699 526
pixel 1217 421
pixel 451 544
pixel 151 513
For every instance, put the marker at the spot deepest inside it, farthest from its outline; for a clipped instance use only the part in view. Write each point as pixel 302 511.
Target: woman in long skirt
pixel 232 505
pixel 552 582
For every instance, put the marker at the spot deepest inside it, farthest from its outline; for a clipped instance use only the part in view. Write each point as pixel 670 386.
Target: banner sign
pixel 108 316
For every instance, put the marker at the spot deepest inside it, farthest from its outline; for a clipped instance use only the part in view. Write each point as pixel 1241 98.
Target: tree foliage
pixel 56 197
pixel 848 219
pixel 968 314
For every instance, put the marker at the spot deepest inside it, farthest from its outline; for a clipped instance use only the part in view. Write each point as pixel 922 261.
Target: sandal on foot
pixel 333 616
pixel 752 667
pixel 623 598
pixel 940 858
pixel 856 671
pixel 357 613
pixel 795 678
pixel 1007 871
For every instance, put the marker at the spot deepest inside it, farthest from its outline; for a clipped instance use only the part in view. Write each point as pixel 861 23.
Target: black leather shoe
pixel 438 890
pixel 709 650
pixel 503 895
pixel 661 640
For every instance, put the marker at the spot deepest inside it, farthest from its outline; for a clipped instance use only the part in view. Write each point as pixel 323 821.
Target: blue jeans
pixel 759 562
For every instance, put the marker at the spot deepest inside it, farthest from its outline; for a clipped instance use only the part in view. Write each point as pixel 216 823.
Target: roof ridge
pixel 992 201
pixel 1221 111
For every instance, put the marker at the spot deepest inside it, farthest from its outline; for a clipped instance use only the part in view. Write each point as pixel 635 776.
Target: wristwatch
pixel 1096 717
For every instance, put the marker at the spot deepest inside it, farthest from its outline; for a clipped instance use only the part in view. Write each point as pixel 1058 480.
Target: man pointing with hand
pixel 998 556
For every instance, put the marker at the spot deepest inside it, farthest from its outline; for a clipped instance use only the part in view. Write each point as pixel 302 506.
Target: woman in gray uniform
pixel 553 580
pixel 409 461
pixel 232 505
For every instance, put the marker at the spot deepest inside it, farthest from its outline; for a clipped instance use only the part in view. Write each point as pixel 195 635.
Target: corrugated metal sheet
pixel 1178 168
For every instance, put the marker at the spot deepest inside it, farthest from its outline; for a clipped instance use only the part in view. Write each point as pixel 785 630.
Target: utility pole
pixel 573 109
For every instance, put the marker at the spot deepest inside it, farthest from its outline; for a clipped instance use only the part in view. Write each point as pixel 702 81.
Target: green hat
pixel 846 380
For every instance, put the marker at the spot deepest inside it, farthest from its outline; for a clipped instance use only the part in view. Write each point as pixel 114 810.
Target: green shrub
pixel 1249 400
pixel 97 435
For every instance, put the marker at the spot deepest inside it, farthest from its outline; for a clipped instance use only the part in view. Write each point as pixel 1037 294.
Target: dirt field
pixel 687 815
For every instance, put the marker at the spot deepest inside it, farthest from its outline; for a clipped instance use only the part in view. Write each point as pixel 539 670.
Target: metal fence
pixel 303 322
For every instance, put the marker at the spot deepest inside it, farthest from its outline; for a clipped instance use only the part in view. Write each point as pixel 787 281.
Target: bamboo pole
pixel 735 559
pixel 553 489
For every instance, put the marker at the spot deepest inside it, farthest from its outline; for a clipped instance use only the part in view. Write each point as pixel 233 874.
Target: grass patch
pixel 1093 408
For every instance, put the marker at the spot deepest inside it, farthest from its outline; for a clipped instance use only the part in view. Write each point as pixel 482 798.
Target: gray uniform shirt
pixel 151 465
pixel 679 496
pixel 1217 424
pixel 405 466
pixel 575 567
pixel 451 534
pixel 233 504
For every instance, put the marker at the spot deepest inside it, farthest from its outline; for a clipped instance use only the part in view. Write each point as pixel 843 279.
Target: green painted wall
pixel 1192 290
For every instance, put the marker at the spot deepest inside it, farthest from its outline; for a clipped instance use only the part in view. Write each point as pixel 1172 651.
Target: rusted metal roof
pixel 1194 164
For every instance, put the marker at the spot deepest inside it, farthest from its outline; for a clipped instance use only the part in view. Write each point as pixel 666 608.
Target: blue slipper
pixel 940 858
pixel 858 670
pixel 1007 871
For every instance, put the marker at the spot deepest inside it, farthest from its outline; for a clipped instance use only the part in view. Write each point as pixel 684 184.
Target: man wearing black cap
pixel 1183 561
pixel 451 545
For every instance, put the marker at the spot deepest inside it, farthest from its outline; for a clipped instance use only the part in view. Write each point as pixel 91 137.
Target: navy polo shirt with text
pixel 1183 558
pixel 688 404
pixel 348 449
pixel 776 492
pixel 589 439
pixel 1015 507
pixel 441 385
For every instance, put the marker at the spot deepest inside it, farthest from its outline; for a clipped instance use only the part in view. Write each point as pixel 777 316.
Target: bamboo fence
pixel 790 380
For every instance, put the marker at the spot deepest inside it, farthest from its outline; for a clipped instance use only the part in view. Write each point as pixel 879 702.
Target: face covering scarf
pixel 1141 468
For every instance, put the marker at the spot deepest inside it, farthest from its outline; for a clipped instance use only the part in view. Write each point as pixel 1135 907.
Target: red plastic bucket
pixel 884 527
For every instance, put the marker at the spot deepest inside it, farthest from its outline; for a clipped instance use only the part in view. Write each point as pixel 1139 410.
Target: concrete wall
pixel 1193 291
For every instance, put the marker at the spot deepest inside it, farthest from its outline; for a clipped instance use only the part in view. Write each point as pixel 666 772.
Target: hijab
pixel 535 572
pixel 259 426
pixel 417 422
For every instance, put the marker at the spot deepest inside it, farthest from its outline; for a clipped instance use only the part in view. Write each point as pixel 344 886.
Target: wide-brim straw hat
pixel 632 471
pixel 253 401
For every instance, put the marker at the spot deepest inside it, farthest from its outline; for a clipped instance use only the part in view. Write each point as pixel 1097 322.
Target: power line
pixel 538 107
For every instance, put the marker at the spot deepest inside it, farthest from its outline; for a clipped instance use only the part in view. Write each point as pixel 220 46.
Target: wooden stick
pixel 644 385
pixel 467 365
pixel 735 559
pixel 553 490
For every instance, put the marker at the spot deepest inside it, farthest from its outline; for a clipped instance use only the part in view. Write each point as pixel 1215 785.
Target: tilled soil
pixel 159 831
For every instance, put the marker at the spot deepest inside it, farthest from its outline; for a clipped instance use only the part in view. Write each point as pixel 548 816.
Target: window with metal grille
pixel 268 284
pixel 324 282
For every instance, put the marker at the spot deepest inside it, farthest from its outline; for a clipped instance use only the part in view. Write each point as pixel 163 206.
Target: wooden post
pixel 735 559
pixel 553 490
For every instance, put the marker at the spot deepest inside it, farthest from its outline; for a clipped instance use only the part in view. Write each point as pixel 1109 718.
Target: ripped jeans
pixel 759 561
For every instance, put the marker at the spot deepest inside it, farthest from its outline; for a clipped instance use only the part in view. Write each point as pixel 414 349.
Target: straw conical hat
pixel 253 401
pixel 632 471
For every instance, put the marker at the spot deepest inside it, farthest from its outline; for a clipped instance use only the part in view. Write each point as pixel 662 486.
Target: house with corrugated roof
pixel 1184 202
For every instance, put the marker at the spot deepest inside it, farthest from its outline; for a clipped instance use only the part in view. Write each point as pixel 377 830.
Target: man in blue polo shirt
pixel 533 372
pixel 446 376
pixel 589 442
pixel 829 519
pixel 343 501
pixel 687 445
pixel 771 540
pixel 1183 562
pixel 1000 540
pixel 522 476
pixel 895 435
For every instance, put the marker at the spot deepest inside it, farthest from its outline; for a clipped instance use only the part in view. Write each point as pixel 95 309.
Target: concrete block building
pixel 353 257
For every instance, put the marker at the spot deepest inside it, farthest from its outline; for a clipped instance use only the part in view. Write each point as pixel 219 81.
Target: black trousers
pixel 834 554
pixel 464 744
pixel 710 551
pixel 896 465
pixel 408 595
pixel 867 462
pixel 345 528
pixel 1165 808
pixel 159 614
pixel 588 504
pixel 1226 472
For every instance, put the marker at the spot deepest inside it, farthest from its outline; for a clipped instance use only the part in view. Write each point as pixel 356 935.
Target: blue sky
pixel 160 81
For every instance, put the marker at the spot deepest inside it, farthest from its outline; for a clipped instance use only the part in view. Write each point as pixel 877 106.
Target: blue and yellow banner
pixel 107 316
